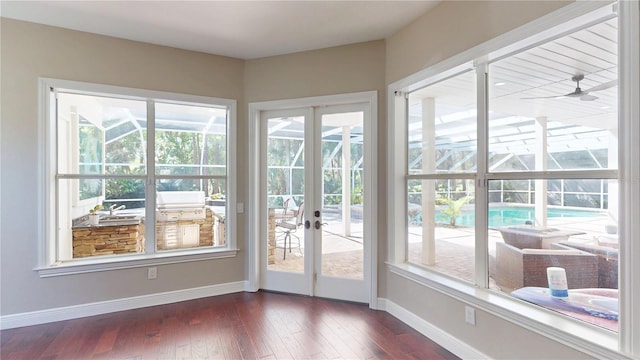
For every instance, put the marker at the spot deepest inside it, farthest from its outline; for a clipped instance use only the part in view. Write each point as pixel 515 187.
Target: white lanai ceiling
pixel 543 71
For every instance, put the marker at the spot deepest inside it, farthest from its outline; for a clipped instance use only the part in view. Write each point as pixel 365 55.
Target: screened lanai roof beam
pixel 121 136
pixel 415 162
pixel 203 151
pixel 594 158
pixel 334 131
pixel 502 161
pixel 554 160
pixel 462 161
pixel 358 163
pixel 333 154
pixel 448 154
pixel 298 153
pixel 277 127
pixel 122 121
pixel 128 119
pixel 522 162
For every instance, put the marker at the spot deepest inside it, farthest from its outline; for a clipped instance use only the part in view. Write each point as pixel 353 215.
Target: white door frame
pixel 256 228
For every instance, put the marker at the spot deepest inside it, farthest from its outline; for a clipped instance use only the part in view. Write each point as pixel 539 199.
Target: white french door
pixel 314 193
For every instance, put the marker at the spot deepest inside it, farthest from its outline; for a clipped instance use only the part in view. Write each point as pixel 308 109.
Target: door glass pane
pixel 285 193
pixel 441 226
pixel 342 195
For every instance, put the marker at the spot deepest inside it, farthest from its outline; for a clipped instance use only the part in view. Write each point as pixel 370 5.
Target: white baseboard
pixel 103 307
pixel 444 339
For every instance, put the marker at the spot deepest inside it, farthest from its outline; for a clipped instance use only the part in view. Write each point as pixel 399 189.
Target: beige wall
pixel 342 69
pixel 493 336
pixel 455 26
pixel 30 51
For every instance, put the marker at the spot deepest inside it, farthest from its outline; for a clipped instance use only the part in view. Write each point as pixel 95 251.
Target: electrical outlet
pixel 470 315
pixel 152 273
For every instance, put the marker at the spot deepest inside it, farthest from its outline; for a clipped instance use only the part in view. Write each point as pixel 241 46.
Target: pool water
pixel 506 216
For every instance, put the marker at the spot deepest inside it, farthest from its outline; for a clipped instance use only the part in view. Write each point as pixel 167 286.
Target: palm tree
pixel 454 207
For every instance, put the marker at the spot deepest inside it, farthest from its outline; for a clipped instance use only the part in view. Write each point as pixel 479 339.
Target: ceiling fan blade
pixel 603 86
pixel 583 95
pixel 544 97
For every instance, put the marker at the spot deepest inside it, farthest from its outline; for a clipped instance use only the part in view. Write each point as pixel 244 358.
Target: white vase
pixel 94 219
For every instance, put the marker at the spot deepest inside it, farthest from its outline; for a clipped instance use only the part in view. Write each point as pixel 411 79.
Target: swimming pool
pixel 515 215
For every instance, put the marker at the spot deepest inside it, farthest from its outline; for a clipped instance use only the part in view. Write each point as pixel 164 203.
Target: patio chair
pixel 289 228
pixel 517 268
pixel 607 261
pixel 288 207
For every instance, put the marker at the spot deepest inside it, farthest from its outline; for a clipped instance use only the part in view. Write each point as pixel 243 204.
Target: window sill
pixel 126 262
pixel 566 330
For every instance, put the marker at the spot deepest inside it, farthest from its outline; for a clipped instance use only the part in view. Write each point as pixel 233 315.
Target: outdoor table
pixel 528 237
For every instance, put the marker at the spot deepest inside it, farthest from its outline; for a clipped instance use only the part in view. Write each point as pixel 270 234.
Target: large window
pixel 135 173
pixel 510 171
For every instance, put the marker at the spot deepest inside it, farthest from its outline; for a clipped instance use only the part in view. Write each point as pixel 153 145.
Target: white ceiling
pixel 239 29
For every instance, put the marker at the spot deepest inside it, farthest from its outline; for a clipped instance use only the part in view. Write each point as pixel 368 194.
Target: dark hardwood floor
pixel 258 325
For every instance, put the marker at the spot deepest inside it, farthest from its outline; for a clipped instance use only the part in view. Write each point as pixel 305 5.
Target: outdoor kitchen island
pixel 182 221
pixel 110 237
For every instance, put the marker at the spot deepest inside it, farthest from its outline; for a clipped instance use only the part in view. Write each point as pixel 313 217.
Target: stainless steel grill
pixel 180 205
pixel 174 211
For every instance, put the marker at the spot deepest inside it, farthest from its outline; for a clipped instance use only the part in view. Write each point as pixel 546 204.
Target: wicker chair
pixel 517 268
pixel 607 262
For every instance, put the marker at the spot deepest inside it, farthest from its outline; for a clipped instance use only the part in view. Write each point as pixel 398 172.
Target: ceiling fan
pixel 579 93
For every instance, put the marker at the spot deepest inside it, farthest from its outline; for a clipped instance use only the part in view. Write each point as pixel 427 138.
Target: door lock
pixel 316 213
pixel 307 224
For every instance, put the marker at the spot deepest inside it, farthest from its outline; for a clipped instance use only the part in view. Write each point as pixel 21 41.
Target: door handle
pixel 307 224
pixel 318 224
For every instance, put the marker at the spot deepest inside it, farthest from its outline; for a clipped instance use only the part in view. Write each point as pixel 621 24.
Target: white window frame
pixel 47 205
pixel 587 338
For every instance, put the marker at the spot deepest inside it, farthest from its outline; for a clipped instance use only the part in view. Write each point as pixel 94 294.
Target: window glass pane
pixel 442 127
pixel 129 193
pixel 117 227
pixel 575 235
pixel 100 135
pixel 441 226
pixel 190 140
pixel 536 109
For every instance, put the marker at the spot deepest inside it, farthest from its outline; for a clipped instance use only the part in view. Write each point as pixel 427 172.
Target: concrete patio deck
pixel 342 256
